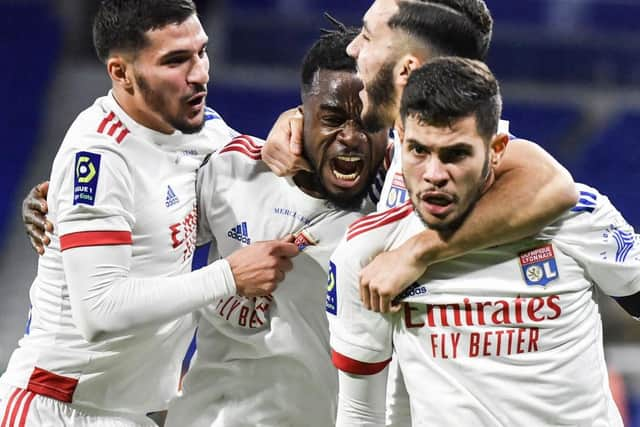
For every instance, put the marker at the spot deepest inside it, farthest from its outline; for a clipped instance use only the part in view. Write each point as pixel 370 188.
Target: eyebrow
pixel 180 52
pixel 332 108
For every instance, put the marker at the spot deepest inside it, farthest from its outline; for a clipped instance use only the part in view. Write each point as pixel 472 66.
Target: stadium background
pixel 570 73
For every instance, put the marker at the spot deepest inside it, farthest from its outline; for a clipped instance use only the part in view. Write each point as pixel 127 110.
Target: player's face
pixel 171 75
pixel 375 51
pixel 445 170
pixel 345 157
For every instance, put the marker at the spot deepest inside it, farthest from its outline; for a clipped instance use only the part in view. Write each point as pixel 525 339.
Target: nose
pixel 353 48
pixel 435 172
pixel 351 135
pixel 199 72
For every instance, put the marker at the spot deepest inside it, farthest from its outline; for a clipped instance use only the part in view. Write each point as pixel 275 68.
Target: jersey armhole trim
pixel 352 366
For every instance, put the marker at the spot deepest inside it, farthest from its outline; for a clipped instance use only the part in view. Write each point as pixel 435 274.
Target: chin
pixel 348 200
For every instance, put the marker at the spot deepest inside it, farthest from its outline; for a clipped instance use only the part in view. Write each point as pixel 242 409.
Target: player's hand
pixel 282 151
pixel 386 277
pixel 259 267
pixel 34 211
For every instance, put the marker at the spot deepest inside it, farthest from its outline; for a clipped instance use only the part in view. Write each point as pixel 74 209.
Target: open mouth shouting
pixel 346 170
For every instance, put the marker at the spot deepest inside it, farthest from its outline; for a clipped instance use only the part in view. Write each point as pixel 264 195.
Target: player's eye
pixel 332 120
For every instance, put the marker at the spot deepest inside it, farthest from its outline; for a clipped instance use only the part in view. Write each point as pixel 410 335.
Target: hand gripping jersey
pixel 500 337
pixel 393 192
pixel 263 361
pixel 114 182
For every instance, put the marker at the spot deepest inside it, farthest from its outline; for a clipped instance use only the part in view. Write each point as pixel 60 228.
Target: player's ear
pixel 403 69
pixel 498 146
pixel 120 72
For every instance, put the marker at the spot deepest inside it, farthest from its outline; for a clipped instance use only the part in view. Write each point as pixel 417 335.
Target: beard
pixel 381 93
pixel 157 103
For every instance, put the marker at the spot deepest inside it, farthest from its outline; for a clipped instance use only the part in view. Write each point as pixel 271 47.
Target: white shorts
pixel 22 408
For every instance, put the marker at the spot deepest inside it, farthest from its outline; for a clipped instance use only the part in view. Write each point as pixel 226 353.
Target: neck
pixel 309 184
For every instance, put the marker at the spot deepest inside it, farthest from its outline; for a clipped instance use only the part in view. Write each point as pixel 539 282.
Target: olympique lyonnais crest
pixel 397 192
pixel 539 265
pixel 303 238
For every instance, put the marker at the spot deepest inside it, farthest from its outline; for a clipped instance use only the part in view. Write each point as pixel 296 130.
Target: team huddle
pixel 455 294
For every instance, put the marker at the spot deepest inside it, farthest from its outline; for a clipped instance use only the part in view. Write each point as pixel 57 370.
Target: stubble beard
pixel 157 103
pixel 381 97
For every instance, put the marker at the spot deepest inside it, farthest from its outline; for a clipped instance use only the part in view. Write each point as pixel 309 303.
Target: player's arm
pixel 282 151
pixel 361 342
pixel 604 243
pixel 361 399
pixel 531 190
pixel 106 299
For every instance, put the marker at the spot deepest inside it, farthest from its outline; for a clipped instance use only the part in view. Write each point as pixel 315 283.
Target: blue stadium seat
pixel 611 163
pixel 251 110
pixel 546 125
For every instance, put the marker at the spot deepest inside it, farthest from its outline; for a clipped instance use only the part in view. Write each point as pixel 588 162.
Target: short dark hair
pixel 448 27
pixel 448 89
pixel 328 53
pixel 122 24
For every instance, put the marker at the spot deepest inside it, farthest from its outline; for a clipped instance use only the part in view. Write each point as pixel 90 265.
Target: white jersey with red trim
pixel 263 361
pixel 394 193
pixel 505 336
pixel 115 182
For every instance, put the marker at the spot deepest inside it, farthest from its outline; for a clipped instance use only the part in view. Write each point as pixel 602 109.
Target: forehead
pixel 335 87
pixel 377 17
pixel 460 131
pixel 188 35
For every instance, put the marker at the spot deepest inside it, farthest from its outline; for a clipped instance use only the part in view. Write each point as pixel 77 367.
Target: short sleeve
pixel 598 237
pixel 94 191
pixel 360 339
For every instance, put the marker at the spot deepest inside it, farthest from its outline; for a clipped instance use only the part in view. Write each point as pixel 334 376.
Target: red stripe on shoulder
pixel 377 220
pixel 356 367
pixel 95 238
pixel 111 131
pixel 243 144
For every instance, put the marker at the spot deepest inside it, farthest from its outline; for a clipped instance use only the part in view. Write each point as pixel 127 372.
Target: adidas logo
pixel 240 233
pixel 171 198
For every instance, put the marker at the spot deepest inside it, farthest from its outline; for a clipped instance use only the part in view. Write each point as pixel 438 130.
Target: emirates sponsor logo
pixel 483 328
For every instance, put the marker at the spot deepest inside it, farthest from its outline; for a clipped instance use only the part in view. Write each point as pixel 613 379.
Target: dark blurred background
pixel 570 74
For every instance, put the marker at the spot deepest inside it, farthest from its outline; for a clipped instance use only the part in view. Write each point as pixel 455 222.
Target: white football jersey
pixel 394 193
pixel 505 336
pixel 115 182
pixel 263 361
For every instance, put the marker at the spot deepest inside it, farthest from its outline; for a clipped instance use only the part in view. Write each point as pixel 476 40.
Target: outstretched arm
pixel 531 190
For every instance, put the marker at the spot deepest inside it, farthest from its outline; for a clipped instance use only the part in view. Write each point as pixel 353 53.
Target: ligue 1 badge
pixel 332 292
pixel 539 265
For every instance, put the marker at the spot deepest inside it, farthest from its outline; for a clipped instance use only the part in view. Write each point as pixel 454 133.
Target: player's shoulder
pixel 375 232
pixel 216 127
pixel 100 127
pixel 238 159
pixel 591 205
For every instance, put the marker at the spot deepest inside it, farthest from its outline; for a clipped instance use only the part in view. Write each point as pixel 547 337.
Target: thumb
pixel 297 125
